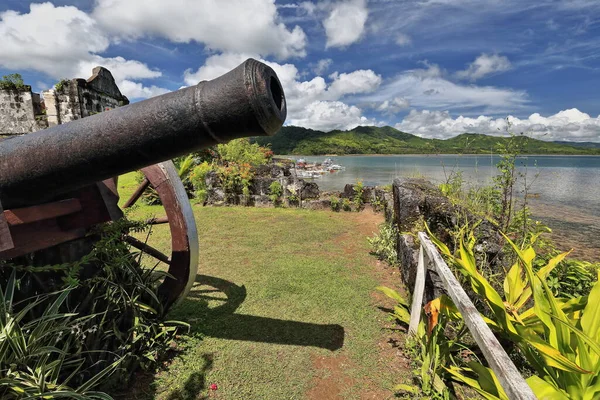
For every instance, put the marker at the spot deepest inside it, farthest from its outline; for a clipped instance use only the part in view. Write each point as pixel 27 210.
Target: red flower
pixel 214 386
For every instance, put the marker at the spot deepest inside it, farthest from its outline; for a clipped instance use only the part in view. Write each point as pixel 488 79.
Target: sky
pixel 434 68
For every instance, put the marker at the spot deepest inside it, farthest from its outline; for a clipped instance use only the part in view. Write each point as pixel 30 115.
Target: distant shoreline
pixel 434 154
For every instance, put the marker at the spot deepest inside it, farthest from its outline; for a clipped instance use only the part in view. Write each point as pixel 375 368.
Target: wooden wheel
pixel 183 260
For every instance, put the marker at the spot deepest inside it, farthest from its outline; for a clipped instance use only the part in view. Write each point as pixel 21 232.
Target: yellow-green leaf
pixel 545 391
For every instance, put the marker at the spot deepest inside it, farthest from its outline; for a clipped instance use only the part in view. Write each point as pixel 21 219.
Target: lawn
pixel 284 307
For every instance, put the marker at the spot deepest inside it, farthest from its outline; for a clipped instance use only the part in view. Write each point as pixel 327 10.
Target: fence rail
pixel 511 380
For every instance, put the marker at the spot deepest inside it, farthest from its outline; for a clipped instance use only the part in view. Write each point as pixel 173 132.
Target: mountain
pixel 387 140
pixel 590 145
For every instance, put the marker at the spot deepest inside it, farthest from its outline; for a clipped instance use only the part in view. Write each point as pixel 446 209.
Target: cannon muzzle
pixel 247 101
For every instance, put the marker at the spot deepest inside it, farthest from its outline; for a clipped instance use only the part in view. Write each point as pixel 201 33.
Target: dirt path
pixel 331 381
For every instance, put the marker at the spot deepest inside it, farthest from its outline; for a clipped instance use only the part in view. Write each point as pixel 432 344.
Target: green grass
pixel 276 290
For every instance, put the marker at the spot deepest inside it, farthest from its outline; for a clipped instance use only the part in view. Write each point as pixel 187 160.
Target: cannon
pixel 58 183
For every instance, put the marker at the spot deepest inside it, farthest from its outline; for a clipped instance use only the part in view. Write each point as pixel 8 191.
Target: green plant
pixel 198 180
pixel 559 338
pixel 242 151
pixel 275 192
pixel 570 278
pixel 384 243
pixel 429 349
pixel 61 330
pixel 453 186
pixel 346 205
pixel 336 203
pixel 62 84
pixel 12 82
pixel 41 356
pixel 359 189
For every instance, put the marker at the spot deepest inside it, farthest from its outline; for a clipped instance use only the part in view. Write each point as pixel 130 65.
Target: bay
pixel 565 190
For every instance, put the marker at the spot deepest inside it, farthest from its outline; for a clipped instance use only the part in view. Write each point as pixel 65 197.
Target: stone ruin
pixel 22 111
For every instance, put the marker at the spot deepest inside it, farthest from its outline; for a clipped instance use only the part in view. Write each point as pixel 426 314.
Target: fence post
pixel 418 291
pixel 509 377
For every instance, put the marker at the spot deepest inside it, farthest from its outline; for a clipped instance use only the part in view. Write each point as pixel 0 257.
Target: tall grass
pixel 73 329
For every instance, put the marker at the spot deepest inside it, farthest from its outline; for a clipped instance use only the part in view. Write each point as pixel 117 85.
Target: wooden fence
pixel 511 380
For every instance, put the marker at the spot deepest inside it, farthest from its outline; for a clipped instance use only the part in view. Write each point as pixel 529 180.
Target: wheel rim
pixel 183 261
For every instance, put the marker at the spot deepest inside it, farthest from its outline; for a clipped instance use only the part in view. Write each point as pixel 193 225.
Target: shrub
pixel 275 192
pixel 384 243
pixel 241 151
pixel 198 180
pixel 62 84
pixel 12 81
pixel 335 203
pixel 63 331
pixel 559 338
pixel 346 205
pixel 359 189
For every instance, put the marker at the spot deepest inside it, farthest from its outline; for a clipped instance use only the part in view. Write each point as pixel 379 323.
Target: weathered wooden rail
pixel 511 380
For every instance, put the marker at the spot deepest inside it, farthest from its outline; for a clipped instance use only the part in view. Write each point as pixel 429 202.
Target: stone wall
pixel 19 112
pixel 418 202
pixel 79 98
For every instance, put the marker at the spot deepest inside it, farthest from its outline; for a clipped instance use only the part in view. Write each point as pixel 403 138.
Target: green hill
pixel 387 140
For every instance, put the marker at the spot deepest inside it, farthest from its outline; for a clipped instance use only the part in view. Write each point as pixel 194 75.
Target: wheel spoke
pixel 137 194
pixel 157 221
pixel 138 244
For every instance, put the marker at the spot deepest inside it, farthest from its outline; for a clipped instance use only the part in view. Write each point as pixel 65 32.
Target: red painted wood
pixel 39 235
pixel 6 241
pixel 21 216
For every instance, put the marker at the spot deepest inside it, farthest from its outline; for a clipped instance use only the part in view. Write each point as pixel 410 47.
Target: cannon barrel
pixel 247 101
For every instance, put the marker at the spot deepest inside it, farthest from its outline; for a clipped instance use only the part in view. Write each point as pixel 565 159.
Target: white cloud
pixel 485 64
pixel 62 42
pixel 322 66
pixel 429 88
pixel 49 39
pixel 234 25
pixel 359 81
pixel 391 107
pixel 306 100
pixel 330 115
pixel 345 23
pixel 119 67
pixel 571 125
pixel 134 90
pixel 403 40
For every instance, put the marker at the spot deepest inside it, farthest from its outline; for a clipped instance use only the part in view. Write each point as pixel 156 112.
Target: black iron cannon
pixel 57 183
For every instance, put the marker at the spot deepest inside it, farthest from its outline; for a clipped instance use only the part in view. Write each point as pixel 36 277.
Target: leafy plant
pixel 359 189
pixel 384 243
pixel 293 198
pixel 275 192
pixel 558 337
pixel 336 203
pixel 64 327
pixel 198 180
pixel 429 349
pixel 62 84
pixel 242 151
pixel 12 82
pixel 346 205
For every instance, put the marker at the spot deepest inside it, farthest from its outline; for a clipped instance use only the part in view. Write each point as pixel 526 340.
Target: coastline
pixel 434 154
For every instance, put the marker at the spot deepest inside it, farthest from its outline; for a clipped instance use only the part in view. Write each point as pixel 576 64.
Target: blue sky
pixel 435 68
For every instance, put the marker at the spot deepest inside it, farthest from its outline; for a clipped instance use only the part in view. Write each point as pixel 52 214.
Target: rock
pixel 214 192
pixel 320 204
pixel 260 185
pixel 310 190
pixel 348 192
pixel 415 199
